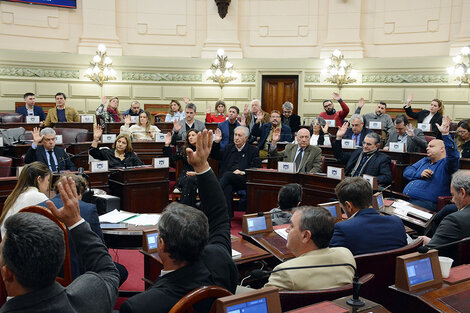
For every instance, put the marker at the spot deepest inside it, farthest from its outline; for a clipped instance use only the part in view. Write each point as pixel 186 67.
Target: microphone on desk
pixel 355 301
pixel 424 249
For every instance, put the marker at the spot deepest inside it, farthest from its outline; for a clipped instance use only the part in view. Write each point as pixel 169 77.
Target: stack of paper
pixel 115 216
pixel 282 232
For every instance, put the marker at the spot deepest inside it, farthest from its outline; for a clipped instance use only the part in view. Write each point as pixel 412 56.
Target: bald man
pixel 430 177
pixel 306 157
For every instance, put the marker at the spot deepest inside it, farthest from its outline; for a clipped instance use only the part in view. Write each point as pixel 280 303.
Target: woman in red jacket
pixel 219 115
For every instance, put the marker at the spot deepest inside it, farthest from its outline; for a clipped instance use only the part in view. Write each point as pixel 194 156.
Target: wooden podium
pixel 142 190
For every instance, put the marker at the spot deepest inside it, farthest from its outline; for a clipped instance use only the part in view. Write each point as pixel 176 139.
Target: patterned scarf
pixel 114 114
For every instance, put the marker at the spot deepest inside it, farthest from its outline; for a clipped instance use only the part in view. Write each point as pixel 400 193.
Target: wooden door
pixel 279 89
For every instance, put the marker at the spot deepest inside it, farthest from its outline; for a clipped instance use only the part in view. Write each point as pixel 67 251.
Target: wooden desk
pixel 341 302
pixel 143 189
pixel 164 127
pixel 128 238
pixel 417 224
pixel 87 126
pixel 26 126
pixel 273 243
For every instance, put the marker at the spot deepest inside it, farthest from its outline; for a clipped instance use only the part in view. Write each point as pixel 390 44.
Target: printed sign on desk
pixel 161 162
pixel 372 181
pixel 32 119
pixel 98 166
pixel 160 137
pixel 424 127
pixel 87 118
pixel 286 167
pixel 58 139
pixel 347 144
pixel 375 125
pixel 397 147
pixel 134 119
pixel 331 123
pixel 108 138
pixel 18 170
pixel 335 172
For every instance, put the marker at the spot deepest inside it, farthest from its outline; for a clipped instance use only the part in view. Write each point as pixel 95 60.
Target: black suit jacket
pixel 378 165
pixel 420 116
pixel 215 267
pixel 39 154
pixel 294 122
pixel 349 134
pixel 250 158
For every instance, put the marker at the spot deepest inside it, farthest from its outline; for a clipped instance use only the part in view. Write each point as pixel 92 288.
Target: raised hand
pixel 410 130
pixel 246 110
pixel 186 100
pixel 408 101
pixel 208 110
pixel 37 135
pixel 69 214
pixel 127 120
pixel 198 158
pixel 342 130
pixel 97 132
pixel 336 96
pixel 445 126
pixel 325 128
pixel 168 139
pixel 104 100
pixel 243 120
pixel 217 135
pixel 259 116
pixel 276 135
pixel 177 126
pixel 361 103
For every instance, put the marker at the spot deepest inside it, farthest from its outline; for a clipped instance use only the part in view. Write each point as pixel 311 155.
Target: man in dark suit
pixel 30 108
pixel 194 245
pixel 455 226
pixel 234 159
pixel 290 119
pixel 228 126
pixel 54 157
pixel 307 158
pixel 29 269
pixel 357 132
pixel 366 160
pixel 383 232
pixel 413 138
pixel 265 132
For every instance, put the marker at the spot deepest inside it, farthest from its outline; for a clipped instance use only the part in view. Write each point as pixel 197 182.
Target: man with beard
pixel 330 112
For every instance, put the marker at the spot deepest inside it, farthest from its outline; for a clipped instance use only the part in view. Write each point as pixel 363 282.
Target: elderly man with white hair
pixel 251 117
pixel 357 131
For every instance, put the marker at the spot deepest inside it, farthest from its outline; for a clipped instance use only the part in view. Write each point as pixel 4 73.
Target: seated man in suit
pixel 430 177
pixel 61 113
pixel 180 128
pixel 228 126
pixel 383 232
pixel 194 245
pixel 266 131
pixel 379 115
pixel 290 119
pixel 234 159
pixel 30 108
pixel 54 157
pixel 366 160
pixel 307 158
pixel 455 226
pixel 134 110
pixel 289 197
pixel 413 138
pixel 330 112
pixel 357 132
pixel 29 269
pixel 310 231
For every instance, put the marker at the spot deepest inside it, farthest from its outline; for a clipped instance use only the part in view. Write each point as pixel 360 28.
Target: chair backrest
pixel 5 166
pixel 463 252
pixel 323 164
pixel 291 300
pixel 11 118
pixel 72 135
pixel 67 279
pixel 186 303
pixel 429 138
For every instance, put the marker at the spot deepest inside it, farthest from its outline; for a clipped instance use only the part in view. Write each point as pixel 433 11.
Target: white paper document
pixel 236 255
pixel 115 216
pixel 282 232
pixel 144 219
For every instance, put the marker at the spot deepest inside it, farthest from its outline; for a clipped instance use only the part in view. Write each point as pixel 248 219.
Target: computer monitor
pixel 378 201
pixel 150 241
pixel 416 271
pixel 256 224
pixel 334 208
pixel 265 300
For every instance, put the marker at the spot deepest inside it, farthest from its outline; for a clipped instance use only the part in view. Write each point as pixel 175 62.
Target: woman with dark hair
pixel 175 113
pixel 186 181
pixel 289 197
pixel 143 130
pixel 319 131
pixel 463 138
pixel 31 189
pixel 432 116
pixel 110 114
pixel 219 115
pixel 121 154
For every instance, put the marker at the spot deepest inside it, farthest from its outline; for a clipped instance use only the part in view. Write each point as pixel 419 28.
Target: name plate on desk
pixel 424 127
pixel 134 119
pixel 87 119
pixel 397 147
pixel 335 172
pixel 375 125
pixel 372 181
pixel 347 144
pixel 160 137
pixel 58 139
pixel 286 167
pixel 98 166
pixel 108 138
pixel 331 123
pixel 18 170
pixel 1 141
pixel 161 162
pixel 32 119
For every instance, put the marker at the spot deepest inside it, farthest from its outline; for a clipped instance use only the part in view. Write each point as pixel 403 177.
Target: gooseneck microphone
pixel 355 301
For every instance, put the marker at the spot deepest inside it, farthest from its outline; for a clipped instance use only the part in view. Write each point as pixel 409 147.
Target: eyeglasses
pixel 287 112
pixel 328 105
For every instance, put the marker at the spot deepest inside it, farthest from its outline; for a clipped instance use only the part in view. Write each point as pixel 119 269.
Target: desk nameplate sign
pixel 286 167
pixel 397 147
pixel 335 172
pixel 160 137
pixel 347 144
pixel 98 166
pixel 372 181
pixel 108 138
pixel 58 139
pixel 32 119
pixel 134 119
pixel 331 123
pixel 18 170
pixel 1 141
pixel 375 125
pixel 87 119
pixel 424 127
pixel 161 162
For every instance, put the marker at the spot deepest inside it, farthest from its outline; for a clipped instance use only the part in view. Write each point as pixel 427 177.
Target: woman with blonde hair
pixel 432 116
pixel 31 189
pixel 143 130
pixel 175 113
pixel 110 114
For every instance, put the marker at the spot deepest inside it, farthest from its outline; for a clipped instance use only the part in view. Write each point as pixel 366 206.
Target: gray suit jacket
pixel 413 144
pixel 198 125
pixel 311 161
